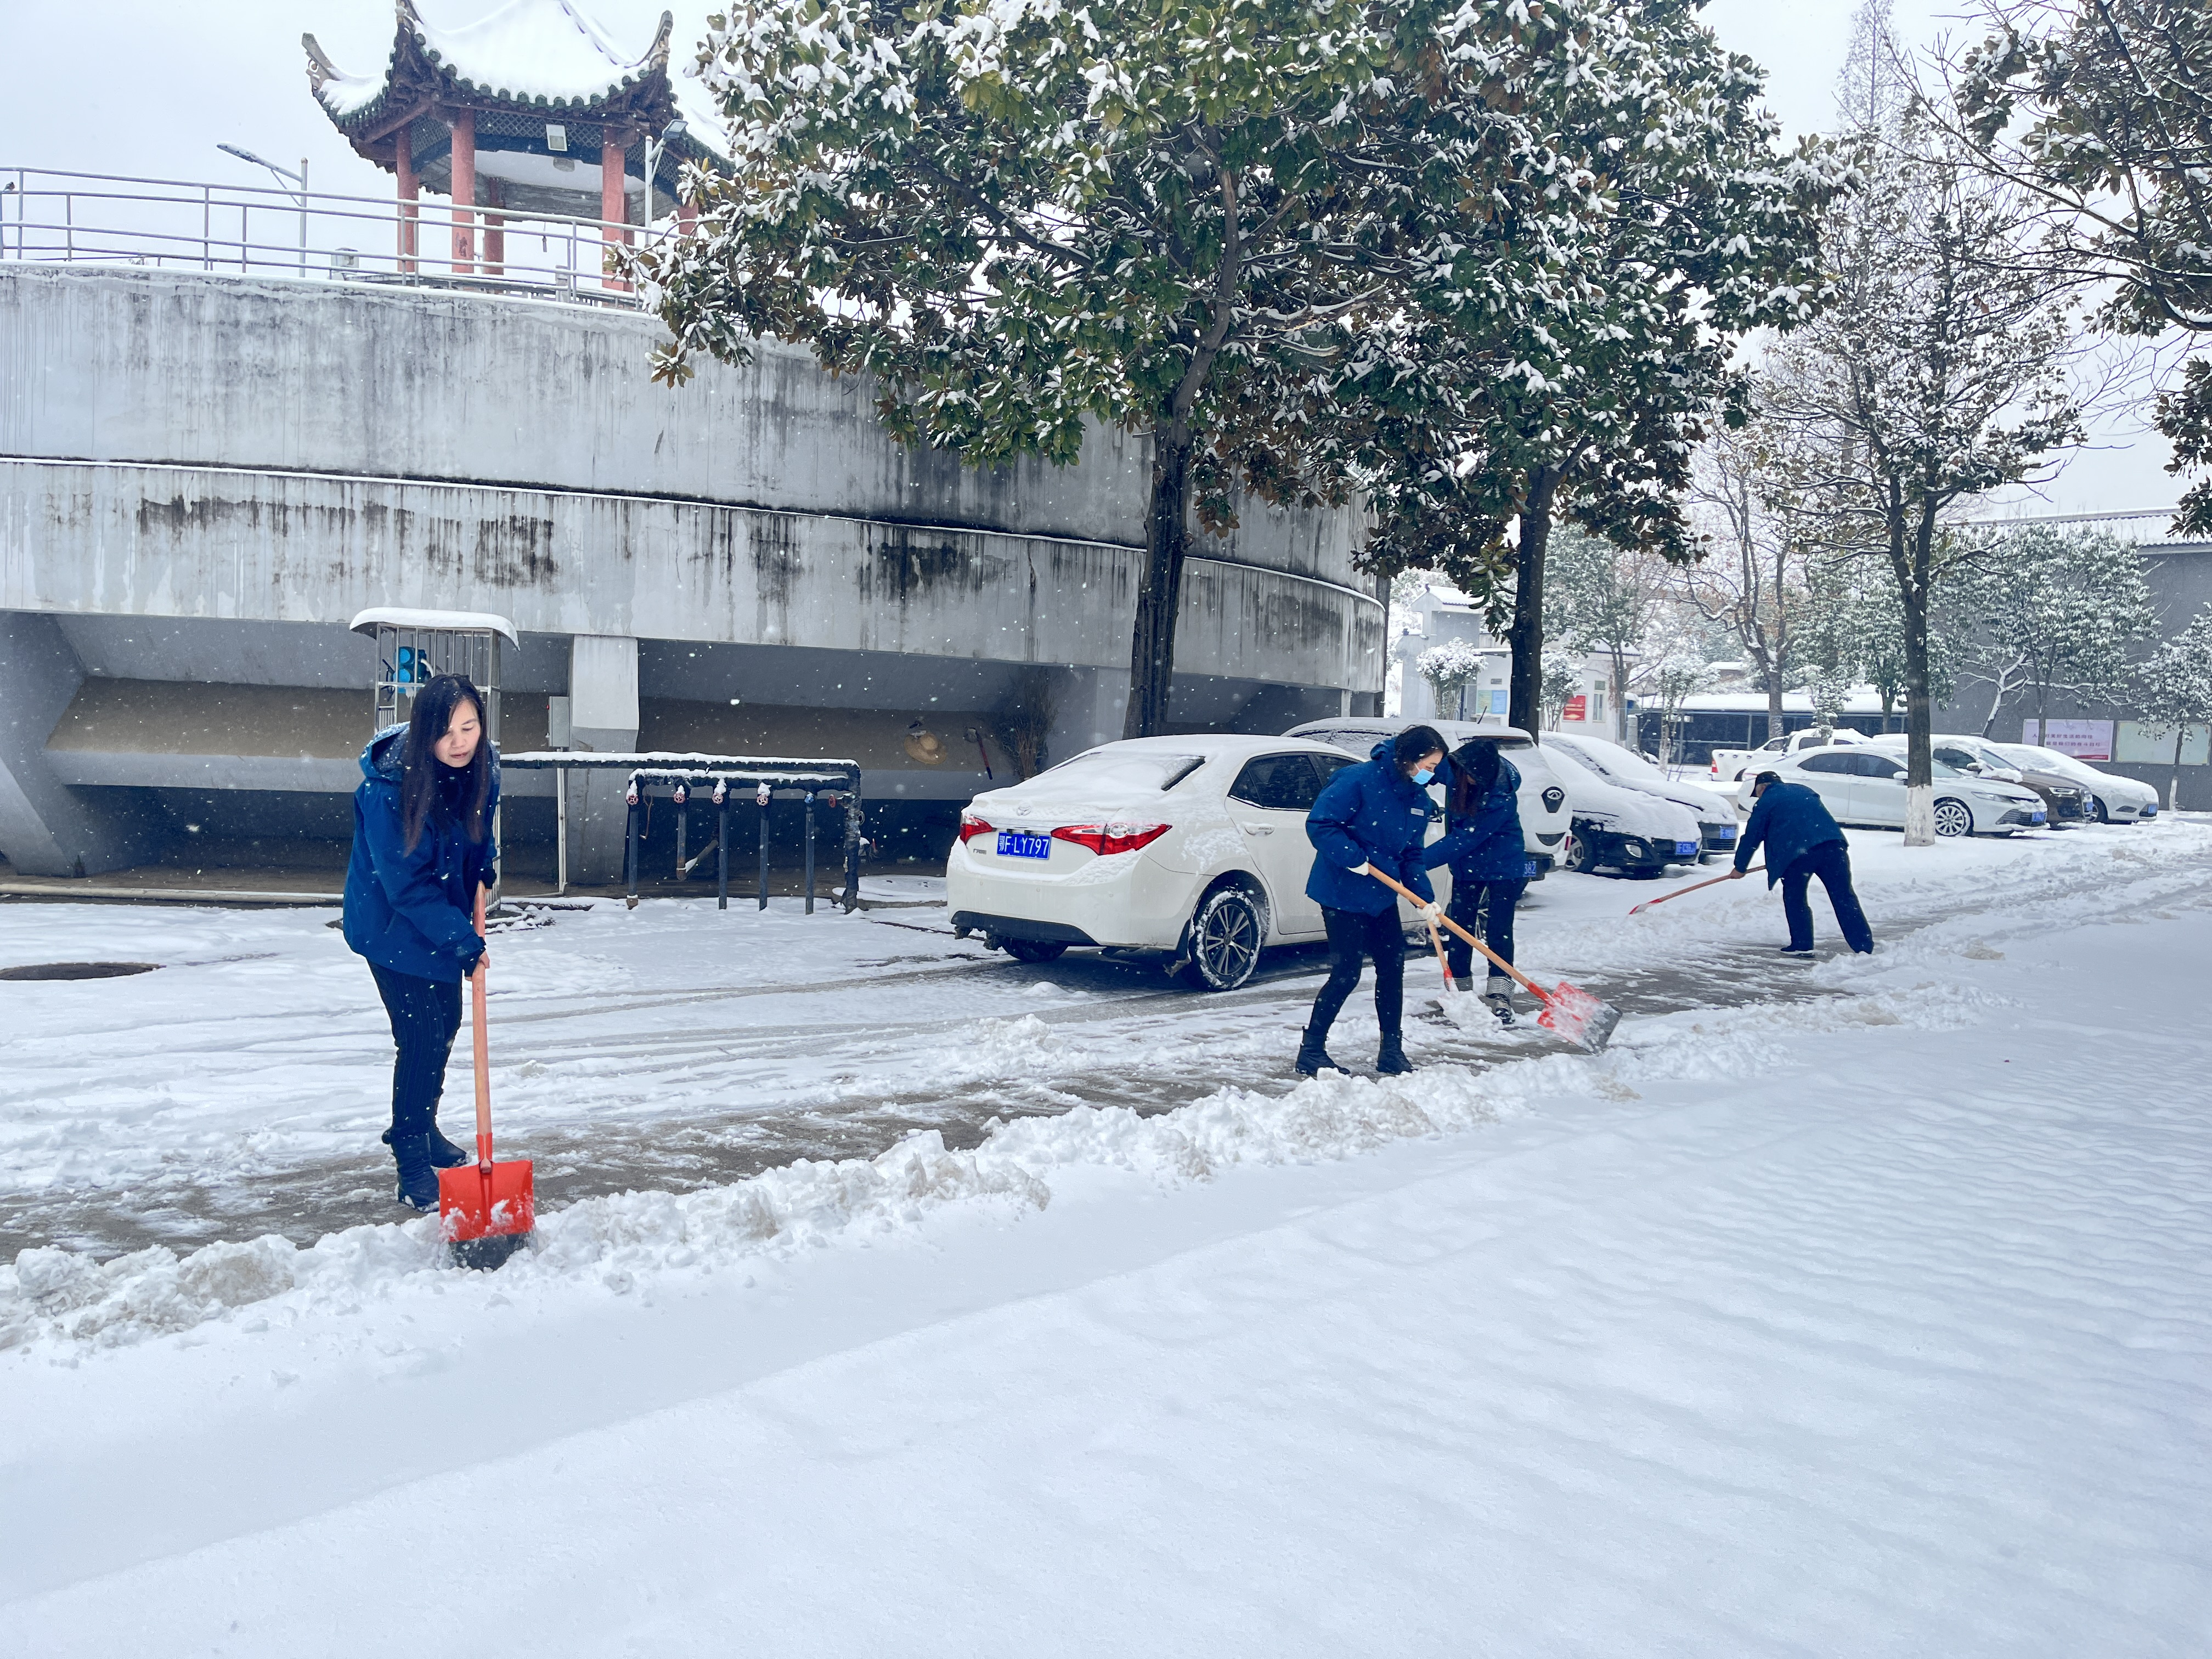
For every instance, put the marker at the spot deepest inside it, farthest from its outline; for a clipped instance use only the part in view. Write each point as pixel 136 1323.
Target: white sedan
pixel 1863 784
pixel 1193 847
pixel 2114 798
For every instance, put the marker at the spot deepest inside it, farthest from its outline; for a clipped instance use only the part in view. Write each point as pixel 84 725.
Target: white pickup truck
pixel 1734 765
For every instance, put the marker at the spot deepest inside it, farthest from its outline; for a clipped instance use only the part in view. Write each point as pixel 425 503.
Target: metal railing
pixel 48 217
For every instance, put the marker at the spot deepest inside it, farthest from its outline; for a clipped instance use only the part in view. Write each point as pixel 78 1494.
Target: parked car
pixel 1545 820
pixel 1582 821
pixel 1734 765
pixel 1861 784
pixel 1718 823
pixel 1192 848
pixel 2065 803
pixel 2112 799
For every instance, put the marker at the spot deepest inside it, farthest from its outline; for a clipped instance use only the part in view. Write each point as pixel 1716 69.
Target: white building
pixel 1438 613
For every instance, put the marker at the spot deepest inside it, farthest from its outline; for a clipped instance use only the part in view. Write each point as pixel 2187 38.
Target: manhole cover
pixel 78 969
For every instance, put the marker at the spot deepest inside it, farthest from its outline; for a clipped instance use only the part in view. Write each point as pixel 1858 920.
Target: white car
pixel 1618 829
pixel 2114 798
pixel 1192 847
pixel 1544 817
pixel 1734 765
pixel 1718 823
pixel 1863 785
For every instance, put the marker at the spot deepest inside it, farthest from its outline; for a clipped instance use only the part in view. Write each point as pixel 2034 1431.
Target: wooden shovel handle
pixel 483 1047
pixel 1695 886
pixel 1406 892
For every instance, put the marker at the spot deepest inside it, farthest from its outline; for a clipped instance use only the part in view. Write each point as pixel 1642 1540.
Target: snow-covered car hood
pixel 1609 806
pixel 1706 805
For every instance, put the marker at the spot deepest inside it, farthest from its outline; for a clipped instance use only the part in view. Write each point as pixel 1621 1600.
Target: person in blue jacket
pixel 1802 842
pixel 422 845
pixel 1489 861
pixel 1372 816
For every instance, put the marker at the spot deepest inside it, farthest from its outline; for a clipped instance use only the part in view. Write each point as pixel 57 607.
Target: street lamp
pixel 281 172
pixel 653 147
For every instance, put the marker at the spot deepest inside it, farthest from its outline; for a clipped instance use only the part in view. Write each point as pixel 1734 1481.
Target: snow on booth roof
pixel 539 53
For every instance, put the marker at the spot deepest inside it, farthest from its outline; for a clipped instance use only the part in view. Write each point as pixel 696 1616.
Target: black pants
pixel 1485 908
pixel 1831 861
pixel 1353 937
pixel 425 1014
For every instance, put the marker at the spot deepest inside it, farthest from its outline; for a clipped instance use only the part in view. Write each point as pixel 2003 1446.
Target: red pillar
pixel 687 219
pixel 465 192
pixel 495 229
pixel 614 202
pixel 411 191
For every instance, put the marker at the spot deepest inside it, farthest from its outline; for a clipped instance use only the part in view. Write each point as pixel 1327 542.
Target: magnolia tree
pixel 2174 690
pixel 2050 610
pixel 1195 219
pixel 1562 678
pixel 1448 668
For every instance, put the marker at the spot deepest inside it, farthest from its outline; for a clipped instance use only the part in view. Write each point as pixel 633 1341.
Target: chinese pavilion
pixel 531 109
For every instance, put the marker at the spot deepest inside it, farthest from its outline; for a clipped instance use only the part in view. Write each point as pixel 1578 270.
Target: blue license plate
pixel 1020 844
pixel 2035 818
pixel 1688 849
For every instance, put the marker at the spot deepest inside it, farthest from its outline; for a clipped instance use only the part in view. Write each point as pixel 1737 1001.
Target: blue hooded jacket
pixel 413 912
pixel 1485 844
pixel 1371 814
pixel 1789 820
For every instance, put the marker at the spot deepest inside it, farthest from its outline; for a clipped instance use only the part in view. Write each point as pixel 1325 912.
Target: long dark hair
pixel 419 794
pixel 1475 774
pixel 1414 744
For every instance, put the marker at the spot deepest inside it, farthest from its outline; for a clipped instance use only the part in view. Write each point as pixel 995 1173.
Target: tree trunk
pixel 2173 783
pixel 1525 701
pixel 1919 720
pixel 1777 722
pixel 1159 592
pixel 1382 682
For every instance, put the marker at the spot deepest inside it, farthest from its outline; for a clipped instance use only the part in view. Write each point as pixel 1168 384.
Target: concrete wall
pixel 204 477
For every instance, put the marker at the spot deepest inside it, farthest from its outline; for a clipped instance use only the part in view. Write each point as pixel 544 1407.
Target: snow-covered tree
pixel 1748 491
pixel 2054 609
pixel 1195 219
pixel 1673 680
pixel 1561 678
pixel 2173 690
pixel 1448 668
pixel 1603 601
pixel 1936 376
pixel 2101 114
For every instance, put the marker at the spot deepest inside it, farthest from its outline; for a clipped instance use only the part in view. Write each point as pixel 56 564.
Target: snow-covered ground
pixel 1865 1318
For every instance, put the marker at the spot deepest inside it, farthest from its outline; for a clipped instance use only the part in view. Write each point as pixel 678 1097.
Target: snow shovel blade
pixel 1577 1016
pixel 486 1212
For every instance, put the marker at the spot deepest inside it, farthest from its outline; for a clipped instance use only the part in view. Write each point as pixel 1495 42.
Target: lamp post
pixel 653 147
pixel 283 173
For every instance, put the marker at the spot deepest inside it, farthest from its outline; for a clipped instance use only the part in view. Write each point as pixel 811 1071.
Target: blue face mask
pixel 1424 776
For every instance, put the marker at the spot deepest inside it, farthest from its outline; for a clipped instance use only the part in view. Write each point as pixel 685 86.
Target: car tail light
pixel 970 827
pixel 1106 839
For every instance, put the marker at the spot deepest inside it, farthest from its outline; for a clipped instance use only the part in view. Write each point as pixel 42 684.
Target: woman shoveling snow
pixel 1489 862
pixel 422 845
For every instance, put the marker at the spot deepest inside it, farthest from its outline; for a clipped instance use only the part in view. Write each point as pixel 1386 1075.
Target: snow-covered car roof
pixel 1454 733
pixel 1611 806
pixel 1630 770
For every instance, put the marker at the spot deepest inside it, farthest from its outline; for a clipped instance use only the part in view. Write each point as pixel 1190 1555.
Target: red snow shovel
pixel 485 1210
pixel 1695 886
pixel 1573 1012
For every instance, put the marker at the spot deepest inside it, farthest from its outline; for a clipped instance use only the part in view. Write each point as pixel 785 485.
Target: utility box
pixel 413 647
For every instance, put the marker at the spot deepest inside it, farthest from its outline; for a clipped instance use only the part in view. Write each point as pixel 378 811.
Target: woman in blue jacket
pixel 421 846
pixel 1489 863
pixel 1372 816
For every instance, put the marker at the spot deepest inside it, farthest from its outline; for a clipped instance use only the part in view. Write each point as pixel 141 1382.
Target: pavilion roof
pixel 537 56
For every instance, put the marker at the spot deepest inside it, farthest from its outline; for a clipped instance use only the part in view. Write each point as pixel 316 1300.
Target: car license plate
pixel 1021 844
pixel 2035 818
pixel 1688 849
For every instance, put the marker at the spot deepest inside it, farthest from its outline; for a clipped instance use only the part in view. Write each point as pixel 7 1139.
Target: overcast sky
pixel 148 87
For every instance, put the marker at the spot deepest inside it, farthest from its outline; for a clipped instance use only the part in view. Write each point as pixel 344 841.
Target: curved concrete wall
pixel 364 381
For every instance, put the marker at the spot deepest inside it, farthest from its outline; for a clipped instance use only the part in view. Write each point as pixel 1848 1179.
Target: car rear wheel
pixel 1224 939
pixel 1035 950
pixel 1579 856
pixel 1954 818
pixel 2097 803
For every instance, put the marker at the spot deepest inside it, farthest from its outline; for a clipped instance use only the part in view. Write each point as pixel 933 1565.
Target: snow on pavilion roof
pixel 535 54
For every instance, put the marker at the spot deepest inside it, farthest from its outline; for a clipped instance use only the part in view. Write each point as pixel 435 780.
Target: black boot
pixel 444 1154
pixel 1498 994
pixel 1392 1061
pixel 419 1176
pixel 1312 1056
